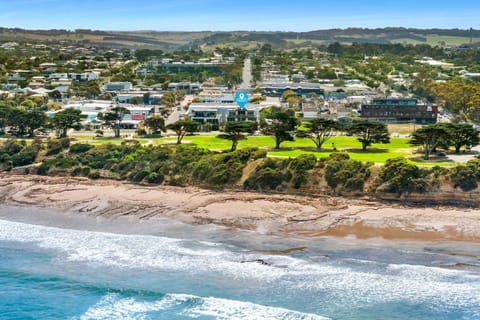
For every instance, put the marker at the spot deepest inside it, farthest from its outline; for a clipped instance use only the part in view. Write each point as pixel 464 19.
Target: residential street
pixel 247 74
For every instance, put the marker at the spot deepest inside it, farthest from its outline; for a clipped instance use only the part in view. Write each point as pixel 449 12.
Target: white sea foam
pixel 112 306
pixel 344 283
pixel 137 251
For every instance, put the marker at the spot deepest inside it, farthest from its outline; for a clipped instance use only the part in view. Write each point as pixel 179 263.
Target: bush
pixel 26 156
pixel 299 166
pixel 303 162
pixel 349 175
pixel 466 176
pixel 54 146
pixel 271 174
pixel 44 167
pixel 401 176
pixel 11 147
pixel 76 172
pixel 94 175
pixel 221 169
pixel 80 148
pixel 81 171
pixel 155 177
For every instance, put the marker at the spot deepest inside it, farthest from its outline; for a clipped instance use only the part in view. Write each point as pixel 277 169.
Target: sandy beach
pixel 266 213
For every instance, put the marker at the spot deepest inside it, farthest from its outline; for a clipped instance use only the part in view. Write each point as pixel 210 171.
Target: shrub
pixel 54 146
pixel 155 177
pixel 26 156
pixel 303 162
pixel 349 175
pixel 94 175
pixel 466 176
pixel 11 147
pixel 271 174
pixel 401 176
pixel 77 171
pixel 44 167
pixel 221 169
pixel 299 166
pixel 80 148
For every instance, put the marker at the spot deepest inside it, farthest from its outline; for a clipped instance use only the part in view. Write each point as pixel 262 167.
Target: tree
pixel 89 89
pixel 236 130
pixel 291 98
pixel 35 120
pixel 279 123
pixel 114 118
pixel 155 123
pixel 319 131
pixel 462 134
pixel 368 132
pixel 136 100
pixel 55 95
pixel 429 137
pixel 169 100
pixel 182 127
pixel 5 115
pixel 27 121
pixel 66 119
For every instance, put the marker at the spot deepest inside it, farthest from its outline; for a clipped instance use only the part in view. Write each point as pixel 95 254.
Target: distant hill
pixel 209 39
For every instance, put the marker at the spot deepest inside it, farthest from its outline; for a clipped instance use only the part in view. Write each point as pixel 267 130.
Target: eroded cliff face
pixel 444 194
pixel 440 192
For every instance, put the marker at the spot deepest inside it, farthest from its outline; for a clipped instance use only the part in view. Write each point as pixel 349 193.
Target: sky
pixel 223 15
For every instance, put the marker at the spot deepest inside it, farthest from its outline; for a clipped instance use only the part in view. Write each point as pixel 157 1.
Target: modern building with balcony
pixel 117 86
pixel 399 110
pixel 218 114
pixel 303 89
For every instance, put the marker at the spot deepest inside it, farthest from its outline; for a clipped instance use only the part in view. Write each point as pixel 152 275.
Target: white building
pixel 117 86
pixel 219 114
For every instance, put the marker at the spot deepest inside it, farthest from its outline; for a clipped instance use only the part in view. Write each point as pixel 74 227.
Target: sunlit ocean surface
pixel 192 272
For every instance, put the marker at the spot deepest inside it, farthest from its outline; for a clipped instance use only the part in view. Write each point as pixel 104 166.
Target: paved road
pixel 178 114
pixel 464 157
pixel 247 74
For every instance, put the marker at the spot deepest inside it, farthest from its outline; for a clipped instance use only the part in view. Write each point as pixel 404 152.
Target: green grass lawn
pixel 377 153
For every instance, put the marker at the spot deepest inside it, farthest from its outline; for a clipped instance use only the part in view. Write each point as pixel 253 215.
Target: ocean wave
pixel 140 251
pixel 113 306
pixel 336 281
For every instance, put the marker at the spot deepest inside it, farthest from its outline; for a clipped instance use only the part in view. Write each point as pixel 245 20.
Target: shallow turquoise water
pixel 52 273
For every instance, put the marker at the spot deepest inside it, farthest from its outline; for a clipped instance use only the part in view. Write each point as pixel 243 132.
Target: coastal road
pixel 247 74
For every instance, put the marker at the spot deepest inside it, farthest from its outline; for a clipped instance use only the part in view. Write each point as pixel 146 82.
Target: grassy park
pixel 377 153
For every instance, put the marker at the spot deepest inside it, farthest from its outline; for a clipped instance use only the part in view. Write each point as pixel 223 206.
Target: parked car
pixel 41 133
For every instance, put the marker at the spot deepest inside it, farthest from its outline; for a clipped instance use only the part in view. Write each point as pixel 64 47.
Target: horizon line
pixel 238 30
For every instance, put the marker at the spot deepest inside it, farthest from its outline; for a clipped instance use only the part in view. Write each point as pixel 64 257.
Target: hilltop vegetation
pixel 189 40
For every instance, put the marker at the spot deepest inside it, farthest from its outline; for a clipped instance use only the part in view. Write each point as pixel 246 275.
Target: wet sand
pixel 267 213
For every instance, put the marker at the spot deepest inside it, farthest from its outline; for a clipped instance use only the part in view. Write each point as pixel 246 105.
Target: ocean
pixel 179 271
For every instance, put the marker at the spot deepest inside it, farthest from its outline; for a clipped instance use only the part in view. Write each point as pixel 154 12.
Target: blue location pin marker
pixel 241 98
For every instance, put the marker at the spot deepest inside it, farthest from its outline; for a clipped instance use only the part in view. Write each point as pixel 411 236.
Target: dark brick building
pixel 399 110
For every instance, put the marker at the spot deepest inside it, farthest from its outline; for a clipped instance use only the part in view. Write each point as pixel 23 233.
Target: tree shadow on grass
pixel 309 149
pixel 433 159
pixel 369 150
